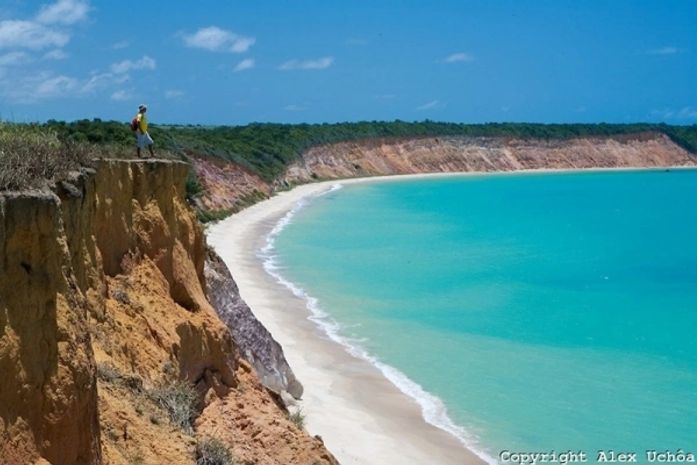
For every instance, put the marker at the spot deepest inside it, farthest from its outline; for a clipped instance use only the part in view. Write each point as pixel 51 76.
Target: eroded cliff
pixel 375 157
pixel 228 187
pixel 110 349
pixel 254 340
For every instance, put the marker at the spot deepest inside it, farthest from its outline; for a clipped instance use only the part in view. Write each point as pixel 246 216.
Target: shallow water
pixel 546 311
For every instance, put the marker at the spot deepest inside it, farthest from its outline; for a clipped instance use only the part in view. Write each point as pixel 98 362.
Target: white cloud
pixel 63 12
pixel 318 63
pixel 121 44
pixel 458 57
pixel 687 113
pixel 121 96
pixel 125 66
pixel 14 59
pixel 31 35
pixel 39 86
pixel 356 41
pixel 247 63
pixel 663 51
pixel 243 44
pixel 683 113
pixel 56 54
pixel 30 86
pixel 58 85
pixel 45 85
pixel 431 105
pixel 97 81
pixel 295 108
pixel 173 94
pixel 215 39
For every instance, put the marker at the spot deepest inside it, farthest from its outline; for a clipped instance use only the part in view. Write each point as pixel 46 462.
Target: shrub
pixel 298 418
pixel 207 216
pixel 135 458
pixel 30 155
pixel 178 399
pixel 108 372
pixel 212 451
pixel 120 295
pixel 193 186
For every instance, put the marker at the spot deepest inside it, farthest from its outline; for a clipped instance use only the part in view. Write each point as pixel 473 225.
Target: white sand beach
pixel 361 416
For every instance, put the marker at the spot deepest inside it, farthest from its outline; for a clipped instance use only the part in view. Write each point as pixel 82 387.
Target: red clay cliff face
pixel 227 186
pixel 103 300
pixel 455 154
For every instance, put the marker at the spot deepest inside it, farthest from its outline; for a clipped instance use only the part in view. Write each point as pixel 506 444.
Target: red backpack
pixel 134 123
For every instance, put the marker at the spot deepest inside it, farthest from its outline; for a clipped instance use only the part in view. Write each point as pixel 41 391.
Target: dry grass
pixel 298 418
pixel 211 451
pixel 178 399
pixel 31 156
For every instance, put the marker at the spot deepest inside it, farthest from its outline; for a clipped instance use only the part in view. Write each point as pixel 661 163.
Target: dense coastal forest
pixel 266 148
pixel 48 150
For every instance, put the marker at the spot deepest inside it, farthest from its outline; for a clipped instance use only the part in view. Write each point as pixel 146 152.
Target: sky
pixel 290 61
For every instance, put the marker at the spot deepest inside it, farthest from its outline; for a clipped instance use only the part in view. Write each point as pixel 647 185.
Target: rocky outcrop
pixel 376 157
pixel 103 308
pixel 254 340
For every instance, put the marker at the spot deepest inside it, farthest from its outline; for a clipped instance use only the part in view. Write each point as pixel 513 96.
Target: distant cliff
pixel 378 157
pixel 228 187
pixel 111 350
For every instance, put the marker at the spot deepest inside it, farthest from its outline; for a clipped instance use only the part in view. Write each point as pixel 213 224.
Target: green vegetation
pixel 263 149
pixel 298 418
pixel 266 149
pixel 207 216
pixel 30 155
pixel 193 186
pixel 211 451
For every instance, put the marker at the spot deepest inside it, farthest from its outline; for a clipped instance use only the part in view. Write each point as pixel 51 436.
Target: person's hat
pixel 142 106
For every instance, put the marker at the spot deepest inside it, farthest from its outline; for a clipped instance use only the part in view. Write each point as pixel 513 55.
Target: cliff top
pixel 266 150
pixel 35 157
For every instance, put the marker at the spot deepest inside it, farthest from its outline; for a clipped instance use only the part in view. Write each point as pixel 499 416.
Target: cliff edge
pixel 110 349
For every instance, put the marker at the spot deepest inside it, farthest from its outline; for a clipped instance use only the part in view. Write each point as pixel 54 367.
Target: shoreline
pixel 348 400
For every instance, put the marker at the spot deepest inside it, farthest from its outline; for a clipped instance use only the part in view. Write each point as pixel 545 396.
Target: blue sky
pixel 235 62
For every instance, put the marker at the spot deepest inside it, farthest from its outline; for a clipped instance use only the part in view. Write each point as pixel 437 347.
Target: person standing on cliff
pixel 140 123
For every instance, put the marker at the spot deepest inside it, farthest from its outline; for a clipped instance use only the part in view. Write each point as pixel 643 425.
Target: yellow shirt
pixel 142 123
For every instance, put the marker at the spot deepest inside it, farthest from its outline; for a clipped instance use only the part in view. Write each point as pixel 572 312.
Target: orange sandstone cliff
pixel 111 347
pixel 379 157
pixel 228 187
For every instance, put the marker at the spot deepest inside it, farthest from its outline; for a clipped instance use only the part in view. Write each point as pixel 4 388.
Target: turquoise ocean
pixel 528 312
